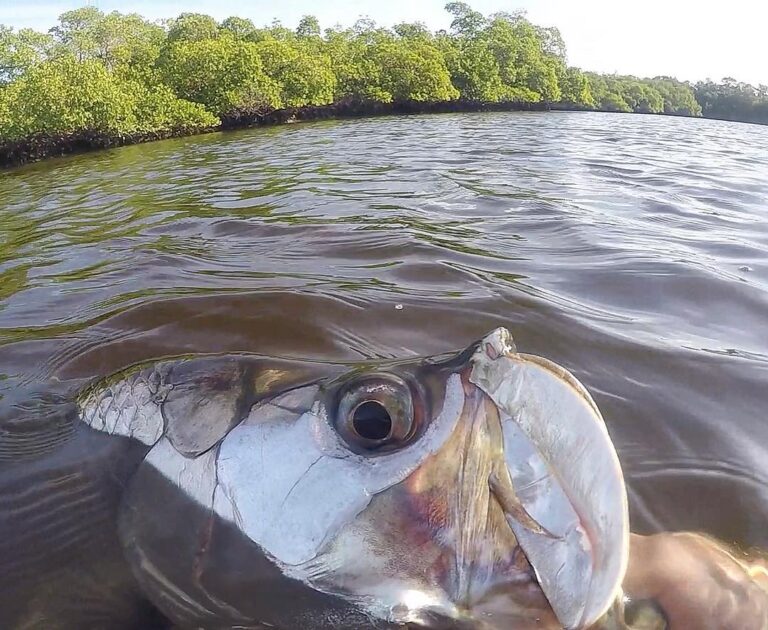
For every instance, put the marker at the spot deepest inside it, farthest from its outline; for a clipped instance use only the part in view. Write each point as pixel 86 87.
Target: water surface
pixel 631 249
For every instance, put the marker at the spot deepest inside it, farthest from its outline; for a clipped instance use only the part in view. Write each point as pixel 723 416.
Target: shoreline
pixel 42 147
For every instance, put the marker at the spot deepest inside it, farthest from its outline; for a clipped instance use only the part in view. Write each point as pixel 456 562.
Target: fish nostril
pixel 372 421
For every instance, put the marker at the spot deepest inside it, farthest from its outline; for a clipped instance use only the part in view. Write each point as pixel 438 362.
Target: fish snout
pixel 464 498
pixel 526 499
pixel 556 478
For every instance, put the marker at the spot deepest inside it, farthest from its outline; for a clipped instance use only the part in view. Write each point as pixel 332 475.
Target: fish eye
pixel 376 413
pixel 371 421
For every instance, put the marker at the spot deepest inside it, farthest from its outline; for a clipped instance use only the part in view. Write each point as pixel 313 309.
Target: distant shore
pixel 103 80
pixel 41 146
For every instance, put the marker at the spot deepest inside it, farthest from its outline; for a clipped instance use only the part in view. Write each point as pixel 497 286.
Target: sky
pixel 688 39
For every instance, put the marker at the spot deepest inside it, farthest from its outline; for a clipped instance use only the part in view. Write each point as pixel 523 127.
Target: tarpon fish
pixel 476 490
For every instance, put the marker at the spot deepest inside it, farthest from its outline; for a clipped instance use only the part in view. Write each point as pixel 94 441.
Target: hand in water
pixel 698 582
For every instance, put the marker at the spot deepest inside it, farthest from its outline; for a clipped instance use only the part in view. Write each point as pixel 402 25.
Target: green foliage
pixel 308 27
pixel 159 110
pixel 654 96
pixel 358 75
pixel 466 21
pixel 21 51
pixel 304 77
pixel 679 97
pixel 413 30
pixel 412 70
pixel 733 100
pixel 527 72
pixel 607 94
pixel 126 44
pixel 66 96
pixel 474 69
pixel 129 43
pixel 222 74
pixel 575 88
pixel 277 31
pixel 119 74
pixel 193 27
pixel 6 121
pixel 76 32
pixel 505 58
pixel 613 102
pixel 239 28
pixel 642 98
pixel 372 63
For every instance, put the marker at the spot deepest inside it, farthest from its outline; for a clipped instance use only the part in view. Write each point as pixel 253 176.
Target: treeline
pixel 732 100
pixel 117 77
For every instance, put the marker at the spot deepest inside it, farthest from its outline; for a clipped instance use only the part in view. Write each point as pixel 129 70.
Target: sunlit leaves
pixel 303 77
pixel 66 96
pixel 466 21
pixel 575 88
pixel 222 74
pixel 158 109
pixel 412 69
pixel 127 44
pixel 193 27
pixel 238 27
pixel 308 27
pixel 20 51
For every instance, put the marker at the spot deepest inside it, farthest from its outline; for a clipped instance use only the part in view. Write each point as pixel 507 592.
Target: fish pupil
pixel 372 421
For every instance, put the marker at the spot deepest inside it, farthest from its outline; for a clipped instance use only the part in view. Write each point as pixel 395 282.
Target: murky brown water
pixel 631 249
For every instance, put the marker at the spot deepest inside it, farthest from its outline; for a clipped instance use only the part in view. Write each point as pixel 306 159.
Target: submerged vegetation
pixel 99 79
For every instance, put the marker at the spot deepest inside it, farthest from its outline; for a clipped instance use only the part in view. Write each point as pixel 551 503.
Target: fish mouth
pixel 465 495
pixel 526 498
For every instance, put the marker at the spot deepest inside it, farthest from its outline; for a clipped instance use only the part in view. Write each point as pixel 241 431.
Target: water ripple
pixel 632 249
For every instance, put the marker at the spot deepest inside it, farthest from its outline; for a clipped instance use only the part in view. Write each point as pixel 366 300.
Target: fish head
pixel 476 490
pixel 497 499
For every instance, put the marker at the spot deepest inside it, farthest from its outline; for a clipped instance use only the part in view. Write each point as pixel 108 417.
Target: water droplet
pixel 398 307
